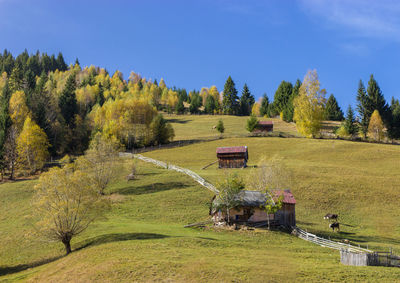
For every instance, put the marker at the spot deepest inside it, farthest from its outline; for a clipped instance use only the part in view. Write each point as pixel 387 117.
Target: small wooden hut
pixel 264 127
pixel 250 211
pixel 232 157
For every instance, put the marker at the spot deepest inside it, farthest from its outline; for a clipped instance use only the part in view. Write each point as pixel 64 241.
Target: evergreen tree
pixel 288 112
pixel 220 127
pixel 39 102
pixel 264 105
pixel 45 61
pixel 67 101
pixel 77 62
pixel 180 108
pixel 246 101
pixel 16 79
pixel 395 109
pixel 100 97
pixel 195 103
pixel 252 123
pixel 61 63
pixel 162 130
pixel 363 108
pixel 350 123
pixel 230 104
pixel 210 105
pixel 282 96
pixel 332 110
pixel 5 123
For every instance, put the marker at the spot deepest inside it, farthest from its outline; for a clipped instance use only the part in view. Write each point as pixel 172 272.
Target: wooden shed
pixel 232 157
pixel 264 127
pixel 250 211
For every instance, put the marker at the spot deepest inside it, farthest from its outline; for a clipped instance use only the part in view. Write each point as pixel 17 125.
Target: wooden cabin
pixel 232 157
pixel 250 211
pixel 264 127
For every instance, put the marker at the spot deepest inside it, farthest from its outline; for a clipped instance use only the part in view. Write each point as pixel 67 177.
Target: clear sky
pixel 199 43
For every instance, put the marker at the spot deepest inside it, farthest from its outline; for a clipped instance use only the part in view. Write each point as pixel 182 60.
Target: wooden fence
pixel 369 259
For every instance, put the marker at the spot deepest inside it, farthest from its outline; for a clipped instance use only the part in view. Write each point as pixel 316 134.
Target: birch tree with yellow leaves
pixel 309 106
pixel 376 129
pixel 32 147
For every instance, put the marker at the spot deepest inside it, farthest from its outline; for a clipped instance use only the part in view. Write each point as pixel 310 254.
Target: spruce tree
pixel 282 96
pixel 395 109
pixel 246 101
pixel 264 105
pixel 332 110
pixel 378 102
pixel 363 108
pixel 230 104
pixel 5 122
pixel 61 65
pixel 180 108
pixel 288 112
pixel 16 79
pixel 100 96
pixel 210 105
pixel 67 101
pixel 349 124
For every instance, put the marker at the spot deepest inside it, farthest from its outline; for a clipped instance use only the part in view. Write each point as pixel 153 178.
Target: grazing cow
pixel 331 216
pixel 214 127
pixel 334 225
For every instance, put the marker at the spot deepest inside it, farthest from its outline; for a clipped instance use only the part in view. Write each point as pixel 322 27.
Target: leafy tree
pixel 18 109
pixel 230 104
pixel 32 146
pixel 228 196
pixel 309 106
pixel 332 110
pixel 67 102
pixel 220 127
pixel 210 105
pixel 363 108
pixel 246 101
pixel 282 96
pixel 252 123
pixel 162 130
pixel 350 125
pixel 255 110
pixel 66 202
pixel 180 108
pixel 376 127
pixel 268 176
pixel 100 161
pixel 264 105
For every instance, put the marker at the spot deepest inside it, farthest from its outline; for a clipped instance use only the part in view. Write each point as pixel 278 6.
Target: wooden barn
pixel 232 157
pixel 250 209
pixel 264 127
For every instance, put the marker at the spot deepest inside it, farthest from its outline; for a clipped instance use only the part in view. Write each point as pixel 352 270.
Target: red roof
pixel 287 196
pixel 265 123
pixel 232 149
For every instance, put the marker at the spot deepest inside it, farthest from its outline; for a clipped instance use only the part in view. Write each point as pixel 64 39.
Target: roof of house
pixel 232 149
pixel 265 123
pixel 258 199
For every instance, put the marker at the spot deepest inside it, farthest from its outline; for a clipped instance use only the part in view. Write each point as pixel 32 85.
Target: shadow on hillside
pixel 151 188
pixel 178 121
pixel 118 237
pixel 4 270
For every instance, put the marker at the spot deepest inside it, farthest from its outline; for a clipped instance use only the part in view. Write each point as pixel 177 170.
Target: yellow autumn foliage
pixel 18 109
pixel 376 129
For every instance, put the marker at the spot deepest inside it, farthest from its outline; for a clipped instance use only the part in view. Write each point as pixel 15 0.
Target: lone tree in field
pixel 100 161
pixel 270 175
pixel 66 202
pixel 227 197
pixel 309 106
pixel 162 130
pixel 220 127
pixel 230 103
pixel 252 123
pixel 376 127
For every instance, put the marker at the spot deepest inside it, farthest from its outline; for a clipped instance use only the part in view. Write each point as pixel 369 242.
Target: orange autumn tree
pixel 32 147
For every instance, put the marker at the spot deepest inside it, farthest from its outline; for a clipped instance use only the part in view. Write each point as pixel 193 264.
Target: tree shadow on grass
pixel 4 270
pixel 118 237
pixel 178 121
pixel 151 188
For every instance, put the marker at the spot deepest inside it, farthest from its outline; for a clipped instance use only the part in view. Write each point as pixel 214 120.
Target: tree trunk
pixel 229 218
pixel 269 226
pixel 67 244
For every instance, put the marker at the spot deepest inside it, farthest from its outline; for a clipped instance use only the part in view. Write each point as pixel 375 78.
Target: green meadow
pixel 142 238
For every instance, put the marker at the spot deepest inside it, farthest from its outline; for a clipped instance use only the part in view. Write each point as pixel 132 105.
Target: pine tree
pixel 210 105
pixel 264 105
pixel 220 127
pixel 61 63
pixel 100 96
pixel 67 101
pixel 252 123
pixel 332 110
pixel 350 123
pixel 230 104
pixel 180 108
pixel 16 79
pixel 363 108
pixel 5 123
pixel 246 101
pixel 288 112
pixel 282 96
pixel 378 102
pixel 395 109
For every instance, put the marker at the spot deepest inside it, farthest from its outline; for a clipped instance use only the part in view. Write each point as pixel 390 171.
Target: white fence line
pixel 188 172
pixel 328 243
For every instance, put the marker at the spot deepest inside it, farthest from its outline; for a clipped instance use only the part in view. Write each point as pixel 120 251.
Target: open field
pixel 201 126
pixel 143 238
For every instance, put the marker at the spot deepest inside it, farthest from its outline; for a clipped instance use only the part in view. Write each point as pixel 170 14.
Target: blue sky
pixel 193 44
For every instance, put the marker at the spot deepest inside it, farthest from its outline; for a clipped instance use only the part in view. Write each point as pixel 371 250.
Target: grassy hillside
pixel 143 238
pixel 189 127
